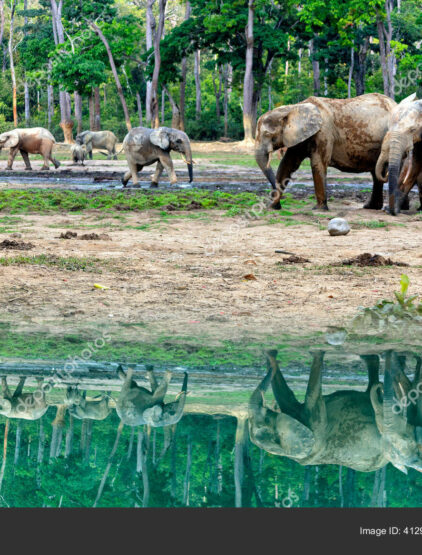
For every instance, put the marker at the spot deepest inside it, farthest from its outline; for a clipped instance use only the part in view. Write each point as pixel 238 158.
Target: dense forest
pixel 208 66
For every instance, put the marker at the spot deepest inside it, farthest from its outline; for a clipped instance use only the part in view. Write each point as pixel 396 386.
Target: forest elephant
pixel 26 406
pixel 346 134
pixel 36 140
pixel 357 429
pixel 400 160
pixel 98 139
pixel 144 147
pixel 90 409
pixel 78 153
pixel 137 405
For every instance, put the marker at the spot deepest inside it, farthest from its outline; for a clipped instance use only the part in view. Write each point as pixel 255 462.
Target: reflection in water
pixel 117 443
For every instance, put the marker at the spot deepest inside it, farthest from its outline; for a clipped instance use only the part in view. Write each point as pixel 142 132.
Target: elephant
pixel 90 409
pixel 137 405
pixel 357 429
pixel 25 406
pixel 346 134
pixel 144 147
pixel 98 139
pixel 78 153
pixel 36 140
pixel 402 142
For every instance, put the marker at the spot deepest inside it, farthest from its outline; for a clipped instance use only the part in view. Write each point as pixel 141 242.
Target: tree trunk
pixel 66 122
pixel 3 464
pixel 109 463
pixel 91 113
pixel 2 28
pixel 248 85
pixel 157 64
pixel 228 75
pixel 50 98
pixel 186 486
pixel 385 35
pixel 184 70
pixel 69 438
pixel 315 68
pixel 26 88
pixel 150 31
pixel 163 106
pixel 100 34
pixel 12 65
pixel 197 73
pixel 352 65
pixel 78 111
pixel 176 116
pixel 240 452
pixel 139 105
pixel 18 442
pixel 97 109
pixel 217 92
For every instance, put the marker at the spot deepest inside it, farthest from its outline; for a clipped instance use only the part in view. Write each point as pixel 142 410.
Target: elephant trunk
pixel 189 161
pixel 382 165
pixel 392 421
pixel 182 400
pixel 397 149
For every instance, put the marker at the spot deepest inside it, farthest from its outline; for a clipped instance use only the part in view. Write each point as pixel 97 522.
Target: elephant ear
pixel 152 415
pixel 408 99
pixel 303 121
pixel 296 440
pixel 159 137
pixel 12 140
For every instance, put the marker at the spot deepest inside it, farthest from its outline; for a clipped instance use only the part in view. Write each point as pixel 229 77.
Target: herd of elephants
pixel 369 133
pixel 361 430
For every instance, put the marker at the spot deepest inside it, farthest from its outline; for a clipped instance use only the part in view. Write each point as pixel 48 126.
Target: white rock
pixel 338 226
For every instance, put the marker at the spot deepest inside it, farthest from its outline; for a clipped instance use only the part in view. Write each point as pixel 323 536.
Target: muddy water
pixel 60 457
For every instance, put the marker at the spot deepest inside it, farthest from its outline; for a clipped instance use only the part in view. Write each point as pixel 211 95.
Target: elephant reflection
pixel 26 406
pixel 137 405
pixel 363 430
pixel 82 408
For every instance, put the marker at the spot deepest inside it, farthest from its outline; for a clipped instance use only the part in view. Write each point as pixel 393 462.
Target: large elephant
pixel 342 133
pixel 137 405
pixel 98 139
pixel 351 428
pixel 144 147
pixel 35 140
pixel 26 406
pixel 402 142
pixel 82 408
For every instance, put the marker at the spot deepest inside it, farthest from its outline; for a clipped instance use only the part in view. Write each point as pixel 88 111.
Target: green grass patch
pixel 71 263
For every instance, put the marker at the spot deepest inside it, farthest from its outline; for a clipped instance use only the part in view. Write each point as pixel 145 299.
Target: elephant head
pixel 167 414
pixel 404 131
pixel 274 431
pixel 9 139
pixel 173 139
pixel 400 430
pixel 285 126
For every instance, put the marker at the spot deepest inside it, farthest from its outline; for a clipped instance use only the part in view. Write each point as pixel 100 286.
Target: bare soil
pixel 188 276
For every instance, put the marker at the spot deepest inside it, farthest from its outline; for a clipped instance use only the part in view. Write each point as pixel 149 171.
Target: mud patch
pixel 367 259
pixel 8 244
pixel 294 259
pixel 68 235
pixel 85 236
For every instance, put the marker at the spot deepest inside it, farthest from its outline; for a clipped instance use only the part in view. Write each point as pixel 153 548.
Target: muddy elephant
pixel 26 406
pixel 346 134
pixel 144 147
pixel 137 405
pixel 357 429
pixel 82 408
pixel 401 151
pixel 36 140
pixel 98 139
pixel 78 153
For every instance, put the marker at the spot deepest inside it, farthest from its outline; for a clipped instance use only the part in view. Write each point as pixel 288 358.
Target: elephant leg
pixel 373 366
pixel 376 200
pixel 314 403
pixel 161 390
pixel 156 177
pixel 134 169
pixel 126 178
pixel 5 388
pixel 25 157
pixel 113 152
pixel 284 396
pixel 319 174
pixel 152 379
pixel 19 388
pixel 11 159
pixel 166 161
pixel 290 162
pixel 419 182
pixel 53 160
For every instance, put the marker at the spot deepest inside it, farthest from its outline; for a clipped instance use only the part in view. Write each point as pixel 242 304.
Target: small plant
pixel 391 313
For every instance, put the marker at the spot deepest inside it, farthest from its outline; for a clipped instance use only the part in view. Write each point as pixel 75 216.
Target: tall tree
pixel 249 107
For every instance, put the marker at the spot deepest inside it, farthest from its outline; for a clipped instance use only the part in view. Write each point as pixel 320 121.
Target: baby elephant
pixel 137 405
pixel 91 409
pixel 78 153
pixel 26 406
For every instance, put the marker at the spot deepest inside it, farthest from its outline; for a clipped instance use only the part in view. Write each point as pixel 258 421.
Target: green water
pixel 331 451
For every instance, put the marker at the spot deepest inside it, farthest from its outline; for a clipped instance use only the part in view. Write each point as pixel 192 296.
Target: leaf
pixel 404 282
pixel 250 277
pixel 99 286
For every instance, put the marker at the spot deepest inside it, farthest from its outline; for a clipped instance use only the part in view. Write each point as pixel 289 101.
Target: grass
pixel 46 201
pixel 72 263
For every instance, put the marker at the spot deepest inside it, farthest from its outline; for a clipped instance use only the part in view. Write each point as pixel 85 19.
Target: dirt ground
pixel 214 275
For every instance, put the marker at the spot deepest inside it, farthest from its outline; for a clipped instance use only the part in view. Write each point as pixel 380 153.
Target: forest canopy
pixel 211 67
